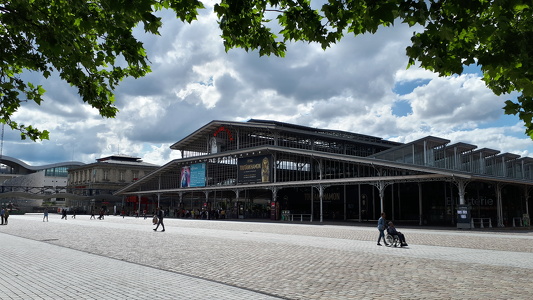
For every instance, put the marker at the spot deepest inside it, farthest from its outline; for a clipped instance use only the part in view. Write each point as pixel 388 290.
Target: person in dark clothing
pixel 160 216
pixel 6 215
pixel 45 216
pixel 381 227
pixel 102 213
pixel 392 231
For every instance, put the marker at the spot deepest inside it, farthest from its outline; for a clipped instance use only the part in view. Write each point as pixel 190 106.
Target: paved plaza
pixel 123 258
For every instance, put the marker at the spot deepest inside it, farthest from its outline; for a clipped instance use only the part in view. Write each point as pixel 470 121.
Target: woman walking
pixel 381 228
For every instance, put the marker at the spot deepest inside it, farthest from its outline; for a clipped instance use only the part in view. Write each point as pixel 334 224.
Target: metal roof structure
pixel 23 168
pixel 295 146
pixel 266 128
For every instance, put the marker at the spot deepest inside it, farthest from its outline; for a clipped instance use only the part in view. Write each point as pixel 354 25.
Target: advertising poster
pixel 185 176
pixel 255 169
pixel 197 178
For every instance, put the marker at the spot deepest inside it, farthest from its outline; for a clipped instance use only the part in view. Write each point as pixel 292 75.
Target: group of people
pixel 159 215
pixel 4 214
pixel 63 214
pixel 389 226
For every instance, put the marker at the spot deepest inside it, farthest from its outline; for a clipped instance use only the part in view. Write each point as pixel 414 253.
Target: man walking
pixel 160 215
pixel 6 215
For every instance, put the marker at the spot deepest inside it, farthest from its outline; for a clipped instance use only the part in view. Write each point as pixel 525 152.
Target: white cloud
pixel 453 100
pixel 350 86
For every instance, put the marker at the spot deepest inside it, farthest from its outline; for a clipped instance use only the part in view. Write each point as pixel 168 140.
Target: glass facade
pixel 56 172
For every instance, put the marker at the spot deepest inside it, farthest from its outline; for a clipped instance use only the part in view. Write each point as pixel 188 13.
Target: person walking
pixel 160 216
pixel 64 214
pixel 2 213
pixel 45 214
pixel 381 228
pixel 102 212
pixel 6 215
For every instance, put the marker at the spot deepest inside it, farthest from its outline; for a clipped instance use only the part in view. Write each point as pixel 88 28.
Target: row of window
pixel 56 172
pixel 95 175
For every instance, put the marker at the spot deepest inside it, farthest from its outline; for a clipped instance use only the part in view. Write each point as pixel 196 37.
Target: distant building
pixel 97 181
pixel 24 186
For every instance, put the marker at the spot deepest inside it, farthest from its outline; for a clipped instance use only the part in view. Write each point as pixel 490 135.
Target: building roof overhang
pixel 16 163
pixel 428 171
pixel 212 127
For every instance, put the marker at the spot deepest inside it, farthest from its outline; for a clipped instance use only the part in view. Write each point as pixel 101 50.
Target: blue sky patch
pixel 407 87
pixel 402 108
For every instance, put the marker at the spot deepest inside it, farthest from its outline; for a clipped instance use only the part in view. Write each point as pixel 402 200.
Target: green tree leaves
pixel 82 41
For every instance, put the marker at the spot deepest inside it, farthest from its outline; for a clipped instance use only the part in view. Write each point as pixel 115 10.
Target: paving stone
pixel 123 258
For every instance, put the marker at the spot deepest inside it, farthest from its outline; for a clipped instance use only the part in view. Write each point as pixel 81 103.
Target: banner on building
pixel 185 176
pixel 255 169
pixel 193 175
pixel 197 175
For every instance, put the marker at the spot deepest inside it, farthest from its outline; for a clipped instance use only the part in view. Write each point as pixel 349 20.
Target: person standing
pixel 45 214
pixel 381 228
pixel 160 215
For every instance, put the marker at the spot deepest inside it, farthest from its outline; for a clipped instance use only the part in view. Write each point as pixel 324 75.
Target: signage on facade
pixel 224 129
pixel 193 175
pixel 197 175
pixel 255 169
pixel 185 176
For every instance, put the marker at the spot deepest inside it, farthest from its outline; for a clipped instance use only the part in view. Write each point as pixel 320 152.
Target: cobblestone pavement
pixel 123 258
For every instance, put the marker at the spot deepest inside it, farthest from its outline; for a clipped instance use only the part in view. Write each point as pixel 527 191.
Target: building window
pixel 122 176
pixel 106 175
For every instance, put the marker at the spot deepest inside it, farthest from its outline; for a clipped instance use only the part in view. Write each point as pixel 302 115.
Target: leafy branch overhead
pixel 84 40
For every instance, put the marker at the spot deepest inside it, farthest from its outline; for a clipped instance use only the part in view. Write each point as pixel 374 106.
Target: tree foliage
pixel 83 40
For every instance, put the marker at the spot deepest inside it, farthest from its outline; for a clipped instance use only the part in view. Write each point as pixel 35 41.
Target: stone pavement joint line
pixel 36 270
pixel 122 258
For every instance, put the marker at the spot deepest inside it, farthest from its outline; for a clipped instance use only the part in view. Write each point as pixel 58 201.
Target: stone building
pixel 97 181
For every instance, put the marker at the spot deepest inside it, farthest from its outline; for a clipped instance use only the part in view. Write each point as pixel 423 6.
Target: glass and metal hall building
pixel 272 169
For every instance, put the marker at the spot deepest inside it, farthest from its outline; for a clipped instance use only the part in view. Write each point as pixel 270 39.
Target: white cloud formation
pixel 351 86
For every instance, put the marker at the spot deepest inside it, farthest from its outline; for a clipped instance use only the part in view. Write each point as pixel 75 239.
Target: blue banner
pixel 197 175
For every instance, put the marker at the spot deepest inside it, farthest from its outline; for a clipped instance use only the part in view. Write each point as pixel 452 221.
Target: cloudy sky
pixel 360 85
